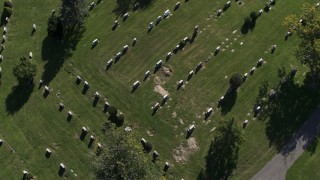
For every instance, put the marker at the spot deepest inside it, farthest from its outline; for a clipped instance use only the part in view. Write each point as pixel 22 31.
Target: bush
pixel 8 4
pixel 7 12
pixel 120 119
pixel 235 81
pixel 254 15
pixel 247 21
pixel 112 110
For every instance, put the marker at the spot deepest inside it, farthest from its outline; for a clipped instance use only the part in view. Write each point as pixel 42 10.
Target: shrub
pixel 247 21
pixel 254 15
pixel 235 81
pixel 112 110
pixel 8 3
pixel 120 119
pixel 7 12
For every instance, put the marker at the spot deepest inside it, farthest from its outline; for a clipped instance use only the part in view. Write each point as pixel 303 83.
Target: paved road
pixel 276 169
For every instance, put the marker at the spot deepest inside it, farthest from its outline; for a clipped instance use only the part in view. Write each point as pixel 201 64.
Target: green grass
pixel 306 166
pixel 37 123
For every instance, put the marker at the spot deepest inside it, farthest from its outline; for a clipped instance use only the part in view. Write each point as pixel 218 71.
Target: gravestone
pixel 1 57
pixel 136 84
pixel 94 43
pixel 217 50
pixel 1 142
pixel 195 30
pixel 252 70
pixel 180 84
pixel 61 106
pixel 159 18
pixel 155 154
pixel 169 54
pixel 260 12
pixel 125 16
pixel 34 27
pixel 244 124
pixel 125 49
pixel 4 38
pixel 70 115
pixel 156 106
pixel 166 13
pixel 190 74
pixel 273 48
pixel 199 66
pixel 208 113
pixel 96 95
pixel 48 152
pixel 158 64
pixel 166 167
pixel 109 63
pixel 25 173
pixel 146 75
pixel 221 100
pixel 134 41
pixel 190 130
pixel 177 6
pixel 84 130
pixel 91 6
pixel 78 80
pixel 259 62
pixel 244 77
pixel 5 30
pixel 219 12
pixel 30 55
pixel 106 105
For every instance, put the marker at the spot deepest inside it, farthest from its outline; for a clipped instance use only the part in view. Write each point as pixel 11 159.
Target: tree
pixel 72 15
pixel 235 81
pixel 307 28
pixel 121 158
pixel 223 153
pixel 254 15
pixel 25 70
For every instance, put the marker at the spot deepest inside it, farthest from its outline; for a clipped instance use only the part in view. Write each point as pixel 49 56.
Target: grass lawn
pixel 306 166
pixel 29 123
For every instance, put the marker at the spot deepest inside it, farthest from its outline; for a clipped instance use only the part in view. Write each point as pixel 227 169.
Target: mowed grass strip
pixel 39 124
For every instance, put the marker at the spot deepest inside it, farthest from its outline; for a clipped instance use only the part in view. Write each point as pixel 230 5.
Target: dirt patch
pixel 159 89
pixel 163 75
pixel 183 152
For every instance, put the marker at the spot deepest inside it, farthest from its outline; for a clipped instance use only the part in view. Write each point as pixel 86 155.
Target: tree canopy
pixel 72 15
pixel 25 70
pixel 121 158
pixel 235 81
pixel 307 28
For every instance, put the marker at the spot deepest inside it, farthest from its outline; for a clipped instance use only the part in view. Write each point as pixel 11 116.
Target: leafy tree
pixel 25 70
pixel 235 81
pixel 54 26
pixel 124 5
pixel 121 158
pixel 72 15
pixel 223 153
pixel 308 51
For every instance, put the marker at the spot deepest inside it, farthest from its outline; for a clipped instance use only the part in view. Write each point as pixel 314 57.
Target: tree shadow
pixel 19 95
pixel 55 51
pixel 228 102
pixel 222 156
pixel 286 110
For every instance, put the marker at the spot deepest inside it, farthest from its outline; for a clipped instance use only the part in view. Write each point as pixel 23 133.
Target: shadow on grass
pixel 123 6
pixel 222 156
pixel 286 111
pixel 56 51
pixel 114 119
pixel 19 95
pixel 228 102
